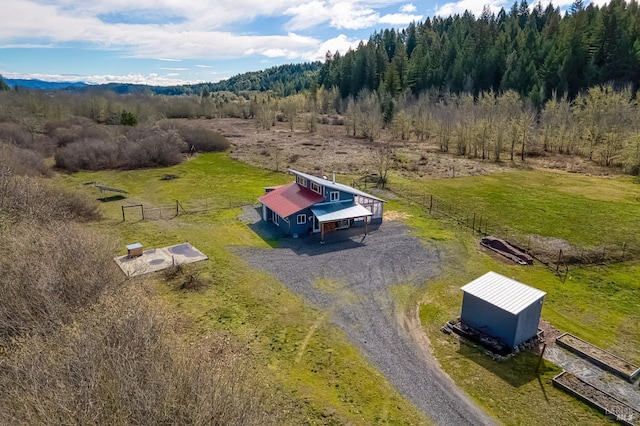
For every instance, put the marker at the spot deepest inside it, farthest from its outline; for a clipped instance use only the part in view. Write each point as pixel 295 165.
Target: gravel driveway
pixel 365 269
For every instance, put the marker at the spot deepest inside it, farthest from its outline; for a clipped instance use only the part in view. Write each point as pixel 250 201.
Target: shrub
pixel 16 161
pixel 202 139
pixel 91 154
pixel 122 362
pixel 154 149
pixel 138 148
pixel 31 199
pixel 48 273
pixel 14 134
pixel 293 158
pixel 128 118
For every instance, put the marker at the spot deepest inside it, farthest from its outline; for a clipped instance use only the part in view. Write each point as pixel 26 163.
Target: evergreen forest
pixel 538 52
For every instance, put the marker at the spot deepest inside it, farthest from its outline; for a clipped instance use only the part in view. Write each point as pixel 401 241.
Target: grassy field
pixel 314 362
pixel 302 353
pixel 584 210
pixel 598 303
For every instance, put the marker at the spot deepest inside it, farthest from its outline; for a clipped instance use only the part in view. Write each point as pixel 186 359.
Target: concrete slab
pixel 154 260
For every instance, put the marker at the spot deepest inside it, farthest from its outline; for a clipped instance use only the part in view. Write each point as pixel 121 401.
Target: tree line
pixel 536 52
pixel 600 124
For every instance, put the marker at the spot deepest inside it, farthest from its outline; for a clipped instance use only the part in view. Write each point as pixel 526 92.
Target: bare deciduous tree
pixel 383 161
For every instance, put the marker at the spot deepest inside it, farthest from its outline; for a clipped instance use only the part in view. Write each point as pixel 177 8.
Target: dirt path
pixel 391 341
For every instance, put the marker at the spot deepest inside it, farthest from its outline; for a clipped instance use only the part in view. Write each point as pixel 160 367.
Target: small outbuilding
pixel 134 250
pixel 502 308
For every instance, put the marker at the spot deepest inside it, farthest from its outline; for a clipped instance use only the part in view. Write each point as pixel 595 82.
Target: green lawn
pixel 584 210
pixel 314 362
pixel 597 303
pixel 303 353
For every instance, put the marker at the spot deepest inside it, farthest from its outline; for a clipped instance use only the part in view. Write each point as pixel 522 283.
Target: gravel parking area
pixel 365 269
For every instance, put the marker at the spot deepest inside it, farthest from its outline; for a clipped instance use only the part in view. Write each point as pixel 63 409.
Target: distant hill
pixel 284 80
pixel 43 85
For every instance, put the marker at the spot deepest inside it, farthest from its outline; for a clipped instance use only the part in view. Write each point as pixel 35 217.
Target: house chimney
pixel 334 177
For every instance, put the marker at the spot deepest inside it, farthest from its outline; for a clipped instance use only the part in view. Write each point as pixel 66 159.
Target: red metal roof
pixel 290 199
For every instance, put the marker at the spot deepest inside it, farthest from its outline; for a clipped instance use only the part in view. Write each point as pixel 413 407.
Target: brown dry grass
pixel 331 149
pixel 124 362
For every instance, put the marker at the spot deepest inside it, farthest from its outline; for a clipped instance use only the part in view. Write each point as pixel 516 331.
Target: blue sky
pixel 165 42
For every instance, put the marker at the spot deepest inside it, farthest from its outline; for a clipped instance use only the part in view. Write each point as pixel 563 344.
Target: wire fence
pixel 556 253
pixel 138 212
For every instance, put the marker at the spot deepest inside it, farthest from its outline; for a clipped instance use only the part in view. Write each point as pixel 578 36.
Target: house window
pixel 302 219
pixel 334 196
pixel 301 181
pixel 275 219
pixel 316 188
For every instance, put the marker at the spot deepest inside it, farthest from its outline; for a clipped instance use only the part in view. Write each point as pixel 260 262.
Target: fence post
pixel 142 208
pixel 558 261
pixel 123 219
pixel 624 246
pixel 177 211
pixel 430 203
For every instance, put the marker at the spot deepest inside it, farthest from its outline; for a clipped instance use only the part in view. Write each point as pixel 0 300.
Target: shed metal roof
pixel 507 294
pixel 334 185
pixel 289 199
pixel 331 212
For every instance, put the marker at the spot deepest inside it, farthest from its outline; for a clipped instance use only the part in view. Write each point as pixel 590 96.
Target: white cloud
pixel 278 53
pixel 151 79
pixel 344 14
pixel 174 69
pixel 340 43
pixel 399 19
pixel 194 29
pixel 408 8
pixel 352 17
pixel 473 6
pixel 148 41
pixel 308 15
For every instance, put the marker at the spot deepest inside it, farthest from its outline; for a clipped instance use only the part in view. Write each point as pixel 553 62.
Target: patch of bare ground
pixel 331 149
pixel 550 332
pixel 394 215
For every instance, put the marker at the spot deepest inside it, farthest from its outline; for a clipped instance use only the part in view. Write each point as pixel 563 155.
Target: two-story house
pixel 318 205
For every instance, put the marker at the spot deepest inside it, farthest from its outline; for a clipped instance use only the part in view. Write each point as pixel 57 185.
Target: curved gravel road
pixel 362 306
